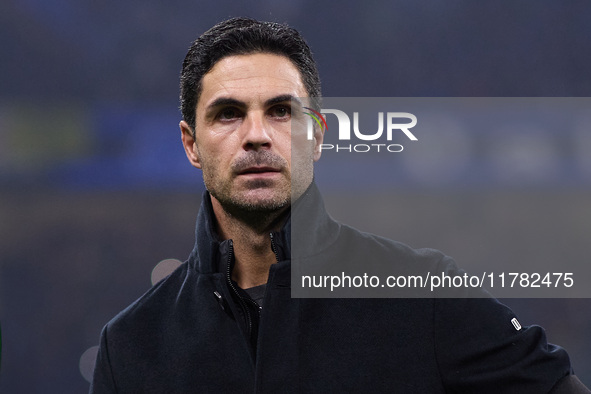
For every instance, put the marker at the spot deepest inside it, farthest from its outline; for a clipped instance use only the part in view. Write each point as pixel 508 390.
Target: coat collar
pixel 309 229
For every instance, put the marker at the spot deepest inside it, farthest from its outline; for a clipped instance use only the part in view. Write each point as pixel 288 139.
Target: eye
pixel 280 111
pixel 228 114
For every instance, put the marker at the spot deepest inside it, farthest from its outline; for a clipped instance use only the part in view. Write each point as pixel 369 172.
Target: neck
pixel 250 233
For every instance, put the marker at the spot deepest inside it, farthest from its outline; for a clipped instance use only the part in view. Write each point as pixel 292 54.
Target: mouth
pixel 259 171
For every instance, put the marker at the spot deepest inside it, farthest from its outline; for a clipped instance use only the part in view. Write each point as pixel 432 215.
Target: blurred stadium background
pixel 95 189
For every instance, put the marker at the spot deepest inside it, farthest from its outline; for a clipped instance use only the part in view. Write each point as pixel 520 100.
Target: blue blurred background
pixel 95 188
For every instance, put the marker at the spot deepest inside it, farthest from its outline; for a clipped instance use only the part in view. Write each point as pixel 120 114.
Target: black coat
pixel 195 332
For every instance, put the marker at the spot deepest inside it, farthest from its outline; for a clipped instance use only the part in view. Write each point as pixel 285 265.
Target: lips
pixel 258 170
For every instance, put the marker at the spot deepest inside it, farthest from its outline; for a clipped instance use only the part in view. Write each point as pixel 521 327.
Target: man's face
pixel 243 133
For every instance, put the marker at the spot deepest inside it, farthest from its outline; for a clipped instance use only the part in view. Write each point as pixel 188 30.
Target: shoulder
pixel 353 242
pixel 482 347
pixel 360 264
pixel 155 304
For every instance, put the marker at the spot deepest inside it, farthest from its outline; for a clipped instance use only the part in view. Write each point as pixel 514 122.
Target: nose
pixel 256 132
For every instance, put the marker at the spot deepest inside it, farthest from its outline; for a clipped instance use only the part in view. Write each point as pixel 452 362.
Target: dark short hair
pixel 241 36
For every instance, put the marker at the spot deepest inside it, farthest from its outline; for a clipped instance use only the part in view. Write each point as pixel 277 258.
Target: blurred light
pixel 64 135
pixel 444 152
pixel 163 269
pixel 87 361
pixel 582 145
pixel 523 154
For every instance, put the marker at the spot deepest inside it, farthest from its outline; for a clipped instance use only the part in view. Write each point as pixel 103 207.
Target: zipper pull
pixel 219 299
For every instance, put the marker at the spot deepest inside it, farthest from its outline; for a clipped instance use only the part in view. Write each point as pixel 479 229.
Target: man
pixel 225 321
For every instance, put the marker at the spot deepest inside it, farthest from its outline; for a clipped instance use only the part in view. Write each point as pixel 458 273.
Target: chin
pixel 255 200
pixel 263 204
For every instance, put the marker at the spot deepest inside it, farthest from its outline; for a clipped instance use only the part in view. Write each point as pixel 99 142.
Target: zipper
pixel 274 247
pixel 243 301
pixel 235 290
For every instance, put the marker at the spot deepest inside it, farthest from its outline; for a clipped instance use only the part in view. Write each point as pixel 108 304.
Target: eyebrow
pixel 229 101
pixel 225 101
pixel 283 98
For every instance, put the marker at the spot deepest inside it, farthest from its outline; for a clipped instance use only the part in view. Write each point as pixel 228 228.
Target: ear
pixel 318 139
pixel 189 144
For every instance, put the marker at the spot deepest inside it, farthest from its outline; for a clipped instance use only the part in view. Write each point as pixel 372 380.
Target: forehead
pixel 252 77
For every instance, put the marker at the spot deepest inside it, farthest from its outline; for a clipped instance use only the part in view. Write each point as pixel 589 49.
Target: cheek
pixel 302 149
pixel 284 143
pixel 212 150
pixel 210 161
